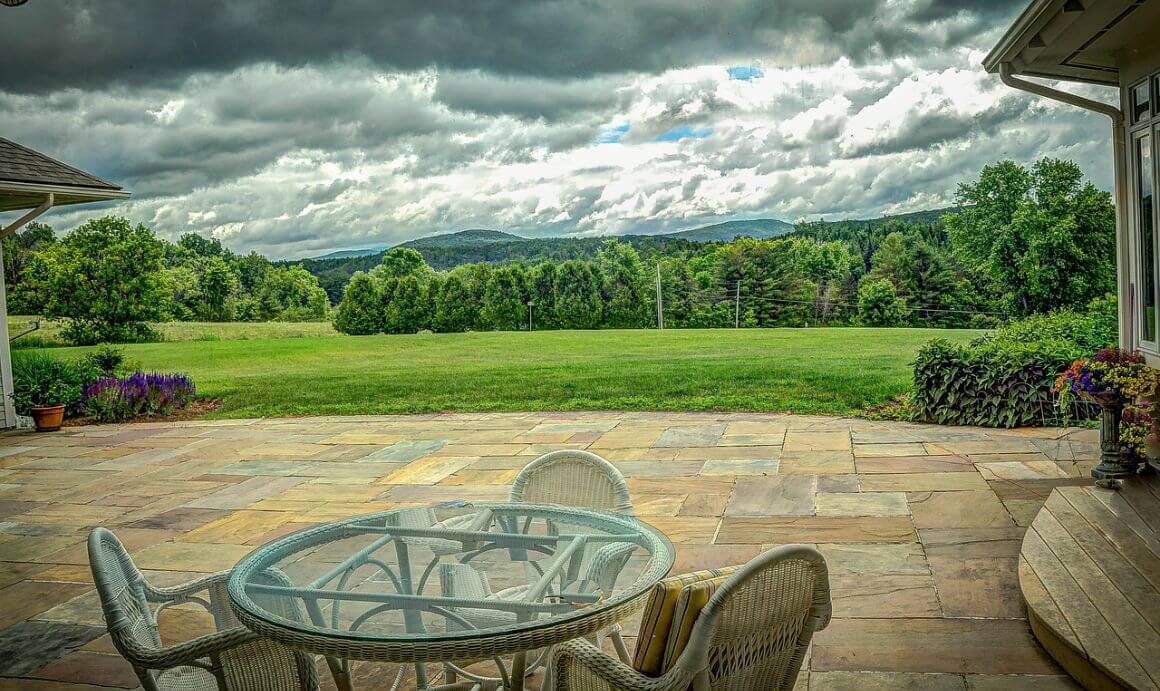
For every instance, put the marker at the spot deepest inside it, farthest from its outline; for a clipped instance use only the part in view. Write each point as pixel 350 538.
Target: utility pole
pixel 737 306
pixel 660 300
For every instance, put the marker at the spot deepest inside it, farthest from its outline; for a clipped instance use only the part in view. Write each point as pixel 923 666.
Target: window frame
pixel 1149 129
pixel 1150 112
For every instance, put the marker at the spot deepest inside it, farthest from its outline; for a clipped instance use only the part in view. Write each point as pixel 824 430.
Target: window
pixel 1145 228
pixel 1142 110
pixel 1141 101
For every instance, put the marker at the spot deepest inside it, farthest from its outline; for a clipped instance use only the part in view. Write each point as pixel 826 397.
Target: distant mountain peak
pixel 350 254
pixel 759 228
pixel 473 236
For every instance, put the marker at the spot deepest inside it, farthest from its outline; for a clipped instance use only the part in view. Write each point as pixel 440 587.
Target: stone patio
pixel 920 524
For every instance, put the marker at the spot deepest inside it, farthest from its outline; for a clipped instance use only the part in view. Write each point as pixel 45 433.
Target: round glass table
pixel 455 583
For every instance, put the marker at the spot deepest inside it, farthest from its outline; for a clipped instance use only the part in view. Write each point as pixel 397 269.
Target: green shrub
pixel 106 359
pixel 39 379
pixel 994 384
pixel 1066 333
pixel 91 333
pixel 1004 379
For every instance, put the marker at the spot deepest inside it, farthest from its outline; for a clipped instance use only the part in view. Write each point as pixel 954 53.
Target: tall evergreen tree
pixel 454 308
pixel 360 313
pixel 408 309
pixel 504 300
pixel 624 291
pixel 577 296
pixel 542 288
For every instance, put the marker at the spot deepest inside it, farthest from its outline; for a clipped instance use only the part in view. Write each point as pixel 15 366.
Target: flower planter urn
pixel 48 418
pixel 1112 467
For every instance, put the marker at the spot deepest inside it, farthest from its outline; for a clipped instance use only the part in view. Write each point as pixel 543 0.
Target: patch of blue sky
pixel 611 135
pixel 684 132
pixel 745 72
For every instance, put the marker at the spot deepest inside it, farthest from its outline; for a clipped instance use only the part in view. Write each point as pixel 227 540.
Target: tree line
pixel 109 277
pixel 1023 240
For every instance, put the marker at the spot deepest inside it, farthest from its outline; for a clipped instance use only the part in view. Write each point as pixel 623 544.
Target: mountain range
pixel 447 250
pixel 759 228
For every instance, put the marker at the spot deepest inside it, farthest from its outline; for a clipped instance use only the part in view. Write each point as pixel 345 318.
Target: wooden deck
pixel 1089 570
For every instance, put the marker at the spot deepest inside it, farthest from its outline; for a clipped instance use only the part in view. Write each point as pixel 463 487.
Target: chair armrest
pixel 215 600
pixel 178 592
pixel 187 652
pixel 611 674
pixel 460 522
pixel 607 563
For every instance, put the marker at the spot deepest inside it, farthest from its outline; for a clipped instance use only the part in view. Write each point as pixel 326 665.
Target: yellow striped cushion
pixel 658 618
pixel 690 601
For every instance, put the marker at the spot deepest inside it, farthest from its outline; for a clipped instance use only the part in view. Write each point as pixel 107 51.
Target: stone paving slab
pixel 920 524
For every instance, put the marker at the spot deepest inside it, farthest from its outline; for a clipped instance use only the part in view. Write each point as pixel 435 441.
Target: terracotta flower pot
pixel 48 418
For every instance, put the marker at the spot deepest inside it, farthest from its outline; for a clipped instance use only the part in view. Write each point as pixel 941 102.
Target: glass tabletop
pixel 451 571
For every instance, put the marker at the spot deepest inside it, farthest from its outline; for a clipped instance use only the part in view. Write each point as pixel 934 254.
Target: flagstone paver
pixel 920 524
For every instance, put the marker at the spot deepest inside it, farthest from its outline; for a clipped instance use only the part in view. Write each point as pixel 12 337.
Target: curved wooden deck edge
pixel 1073 662
pixel 1089 573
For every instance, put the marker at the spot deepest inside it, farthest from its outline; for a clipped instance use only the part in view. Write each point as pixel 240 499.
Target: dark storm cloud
pixel 298 127
pixel 524 97
pixel 50 44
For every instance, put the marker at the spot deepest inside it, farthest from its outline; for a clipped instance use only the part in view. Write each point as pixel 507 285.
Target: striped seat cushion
pixel 690 601
pixel 658 619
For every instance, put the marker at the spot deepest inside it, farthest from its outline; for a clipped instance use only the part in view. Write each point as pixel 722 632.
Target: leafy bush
pixel 878 304
pixel 91 333
pixel 113 399
pixel 106 359
pixel 991 387
pixel 39 379
pixel 1005 379
pixel 1067 333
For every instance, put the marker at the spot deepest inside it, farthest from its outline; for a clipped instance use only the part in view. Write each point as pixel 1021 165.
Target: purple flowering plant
pixel 116 399
pixel 1109 370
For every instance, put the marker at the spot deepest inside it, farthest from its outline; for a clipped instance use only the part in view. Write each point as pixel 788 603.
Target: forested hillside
pixel 449 250
pixel 445 252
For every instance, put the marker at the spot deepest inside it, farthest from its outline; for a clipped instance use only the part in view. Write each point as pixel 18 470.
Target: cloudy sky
pixel 297 127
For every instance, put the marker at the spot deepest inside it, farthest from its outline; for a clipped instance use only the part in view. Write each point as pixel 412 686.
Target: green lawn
pixel 819 370
pixel 49 332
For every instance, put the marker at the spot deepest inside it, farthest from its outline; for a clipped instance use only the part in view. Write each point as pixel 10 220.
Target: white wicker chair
pixel 233 659
pixel 569 477
pixel 752 634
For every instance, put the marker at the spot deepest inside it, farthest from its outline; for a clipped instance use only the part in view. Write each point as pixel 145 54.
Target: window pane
pixel 1141 102
pixel 1147 238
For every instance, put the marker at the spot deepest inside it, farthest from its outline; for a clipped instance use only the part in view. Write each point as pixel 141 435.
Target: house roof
pixel 1076 40
pixel 26 176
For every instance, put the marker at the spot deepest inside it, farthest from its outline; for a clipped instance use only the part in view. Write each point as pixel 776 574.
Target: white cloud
pixel 298 161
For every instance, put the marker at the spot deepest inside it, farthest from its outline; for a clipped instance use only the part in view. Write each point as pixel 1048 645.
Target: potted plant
pixel 1141 383
pixel 42 386
pixel 1106 379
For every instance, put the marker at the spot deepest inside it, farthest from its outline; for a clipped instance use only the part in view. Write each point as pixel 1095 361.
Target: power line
pixel 735 297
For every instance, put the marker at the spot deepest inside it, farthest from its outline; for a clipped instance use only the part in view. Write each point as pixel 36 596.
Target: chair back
pixel 754 631
pixel 122 591
pixel 571 477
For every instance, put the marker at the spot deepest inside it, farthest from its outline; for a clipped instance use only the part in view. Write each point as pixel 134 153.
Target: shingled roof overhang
pixel 1075 40
pixel 27 177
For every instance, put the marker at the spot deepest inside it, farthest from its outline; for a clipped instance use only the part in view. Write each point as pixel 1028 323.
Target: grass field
pixel 819 370
pixel 49 332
